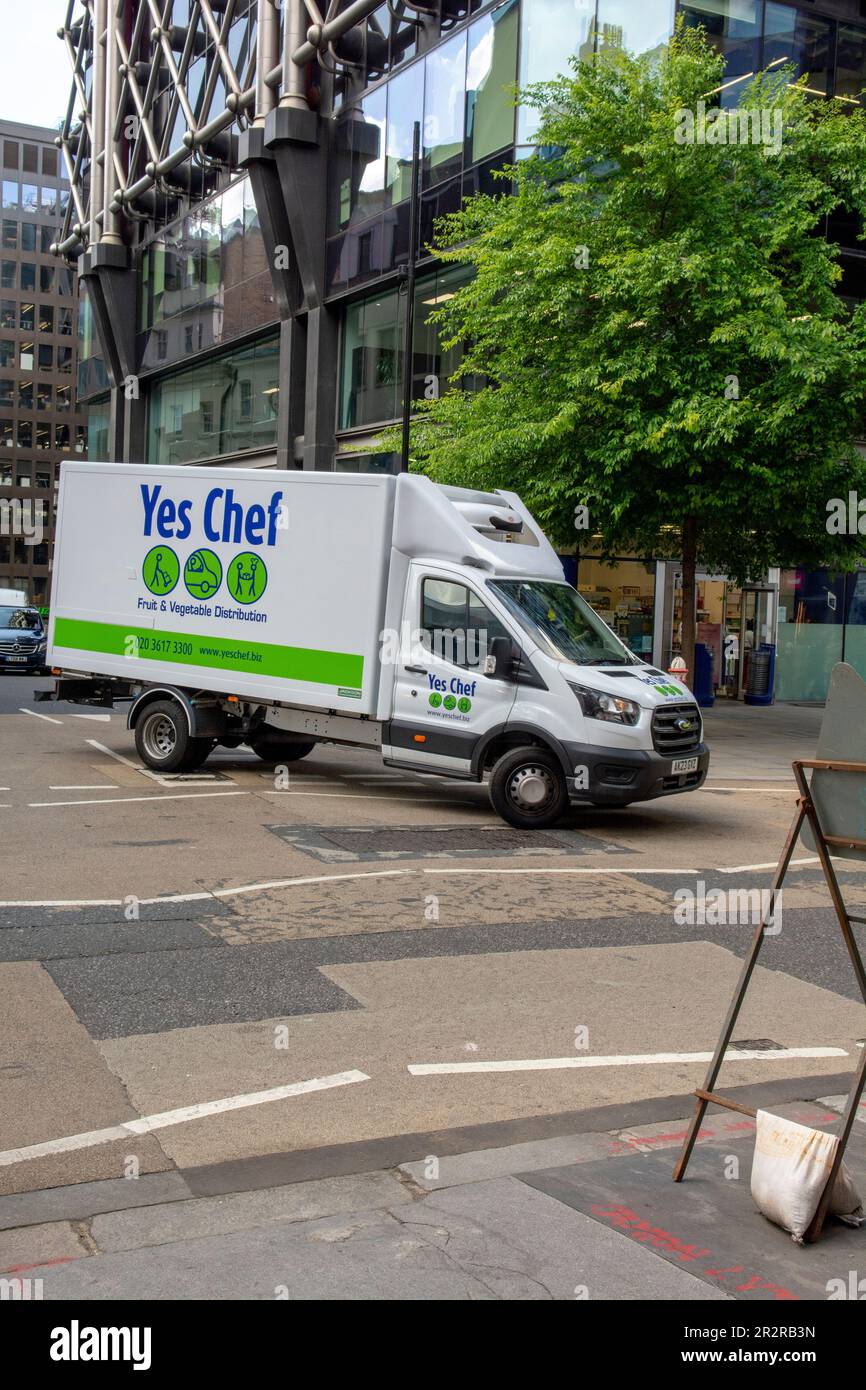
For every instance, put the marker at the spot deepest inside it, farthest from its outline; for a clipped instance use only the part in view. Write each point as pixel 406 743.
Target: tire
pixel 278 750
pixel 522 775
pixel 163 741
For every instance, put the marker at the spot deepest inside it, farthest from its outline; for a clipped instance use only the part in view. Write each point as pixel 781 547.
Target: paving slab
pixel 503 1241
pixel 708 1223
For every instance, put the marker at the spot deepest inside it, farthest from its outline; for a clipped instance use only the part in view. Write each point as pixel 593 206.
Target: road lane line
pixel 85 787
pixel 596 869
pixel 369 796
pixel 113 800
pixel 744 868
pixel 209 894
pixel 148 1123
pixel 103 718
pixel 118 757
pixel 632 1060
pixel 36 715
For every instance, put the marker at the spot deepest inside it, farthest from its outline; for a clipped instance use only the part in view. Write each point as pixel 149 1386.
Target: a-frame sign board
pixel 831 815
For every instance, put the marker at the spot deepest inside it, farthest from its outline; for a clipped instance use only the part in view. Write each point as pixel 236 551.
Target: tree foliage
pixel 659 323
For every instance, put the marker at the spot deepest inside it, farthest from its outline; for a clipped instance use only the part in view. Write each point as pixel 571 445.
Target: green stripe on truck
pixel 189 649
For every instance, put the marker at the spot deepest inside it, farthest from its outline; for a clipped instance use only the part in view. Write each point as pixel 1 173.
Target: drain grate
pixel 344 844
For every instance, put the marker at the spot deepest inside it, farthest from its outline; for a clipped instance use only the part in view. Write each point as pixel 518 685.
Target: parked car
pixel 23 640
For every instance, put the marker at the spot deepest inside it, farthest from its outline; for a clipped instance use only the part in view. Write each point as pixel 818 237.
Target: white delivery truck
pixel 286 609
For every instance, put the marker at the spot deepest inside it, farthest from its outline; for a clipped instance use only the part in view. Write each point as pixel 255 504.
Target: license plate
pixel 17 658
pixel 684 765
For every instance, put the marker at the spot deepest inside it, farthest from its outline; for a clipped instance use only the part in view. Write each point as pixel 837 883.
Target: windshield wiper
pixel 606 661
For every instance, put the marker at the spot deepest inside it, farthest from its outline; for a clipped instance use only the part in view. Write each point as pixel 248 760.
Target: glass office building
pixel 40 422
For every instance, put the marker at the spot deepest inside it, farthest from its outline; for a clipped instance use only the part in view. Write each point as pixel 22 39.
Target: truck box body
pixel 262 583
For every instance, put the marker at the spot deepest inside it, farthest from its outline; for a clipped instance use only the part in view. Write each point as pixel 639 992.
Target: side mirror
pixel 499 661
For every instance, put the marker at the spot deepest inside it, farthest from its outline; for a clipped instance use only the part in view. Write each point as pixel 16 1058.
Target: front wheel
pixel 528 788
pixel 163 740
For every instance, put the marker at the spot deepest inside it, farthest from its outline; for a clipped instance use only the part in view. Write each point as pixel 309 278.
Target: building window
pixel 61 436
pixel 802 38
pixel 25 395
pixel 43 397
pixel 7 391
pixel 48 200
pixel 25 436
pixel 49 161
pixel 10 234
pixel 444 101
pixel 10 154
pixel 8 313
pixel 64 321
pixel 28 276
pixel 46 237
pixel 43 477
pixel 10 195
pixel 64 359
pixel 46 356
pixel 43 437
pixel 81 439
pixel 29 197
pixel 224 405
pixel 7 353
pixel 26 357
pixel 30 159
pixel 491 67
pixel 46 279
pixel 46 318
pixel 7 274
pixel 27 318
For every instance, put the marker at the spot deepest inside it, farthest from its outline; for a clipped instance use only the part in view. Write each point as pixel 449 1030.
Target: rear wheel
pixel 163 740
pixel 279 750
pixel 528 788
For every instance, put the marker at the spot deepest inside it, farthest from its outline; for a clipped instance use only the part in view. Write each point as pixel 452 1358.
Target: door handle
pixel 416 670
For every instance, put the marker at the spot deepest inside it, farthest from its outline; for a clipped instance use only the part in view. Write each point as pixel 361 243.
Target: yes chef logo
pixel 77 1343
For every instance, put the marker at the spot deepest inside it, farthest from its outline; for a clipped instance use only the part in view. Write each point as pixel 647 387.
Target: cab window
pixel 456 625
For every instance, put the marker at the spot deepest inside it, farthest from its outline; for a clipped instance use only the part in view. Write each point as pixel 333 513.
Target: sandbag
pixel 790 1170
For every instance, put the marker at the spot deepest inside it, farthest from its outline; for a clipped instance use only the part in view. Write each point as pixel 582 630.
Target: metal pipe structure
pixel 125 74
pixel 97 118
pixel 112 167
pixel 267 50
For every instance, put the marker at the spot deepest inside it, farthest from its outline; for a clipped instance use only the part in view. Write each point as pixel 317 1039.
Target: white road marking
pixel 370 796
pixel 118 757
pixel 763 790
pixel 629 1060
pixel 148 1123
pixel 86 787
pixel 744 868
pixel 36 715
pixel 597 869
pixel 104 718
pixel 113 800
pixel 207 895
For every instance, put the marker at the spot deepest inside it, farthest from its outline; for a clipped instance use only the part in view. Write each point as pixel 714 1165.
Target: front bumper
pixel 617 776
pixel 30 666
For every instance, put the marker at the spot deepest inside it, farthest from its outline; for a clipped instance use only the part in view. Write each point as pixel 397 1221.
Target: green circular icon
pixel 203 573
pixel 160 569
pixel 247 577
pixel 450 702
pixel 435 700
pixel 464 705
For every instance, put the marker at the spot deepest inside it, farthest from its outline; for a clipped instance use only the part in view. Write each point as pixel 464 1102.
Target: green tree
pixel 658 319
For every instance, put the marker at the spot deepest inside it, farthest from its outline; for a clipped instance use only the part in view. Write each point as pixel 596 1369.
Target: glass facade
pixel 822 620
pixel 204 280
pixel 371 379
pixel 461 94
pixel 754 34
pixel 223 405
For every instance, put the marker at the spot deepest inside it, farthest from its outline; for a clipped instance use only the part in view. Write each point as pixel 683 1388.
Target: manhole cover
pixel 344 843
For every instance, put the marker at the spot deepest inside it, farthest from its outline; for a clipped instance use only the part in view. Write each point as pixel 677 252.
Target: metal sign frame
pixel 824 845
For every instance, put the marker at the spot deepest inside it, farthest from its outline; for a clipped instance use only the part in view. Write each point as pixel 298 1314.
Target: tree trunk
pixel 690 550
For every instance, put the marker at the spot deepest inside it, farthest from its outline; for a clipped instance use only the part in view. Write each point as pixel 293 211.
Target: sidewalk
pixel 759 742
pixel 589 1215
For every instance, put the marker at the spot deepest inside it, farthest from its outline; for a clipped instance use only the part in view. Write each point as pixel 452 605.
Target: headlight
pixel 597 704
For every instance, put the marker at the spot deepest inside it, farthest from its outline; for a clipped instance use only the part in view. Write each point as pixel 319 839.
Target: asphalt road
pixel 356 954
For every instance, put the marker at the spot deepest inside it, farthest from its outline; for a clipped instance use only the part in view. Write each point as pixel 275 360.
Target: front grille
pixel 19 649
pixel 669 739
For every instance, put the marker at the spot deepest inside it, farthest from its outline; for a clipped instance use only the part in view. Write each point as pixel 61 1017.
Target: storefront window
pixel 622 592
pixel 810 633
pixel 850 64
pixel 642 28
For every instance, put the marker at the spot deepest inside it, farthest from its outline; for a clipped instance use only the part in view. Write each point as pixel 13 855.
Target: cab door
pixel 444 703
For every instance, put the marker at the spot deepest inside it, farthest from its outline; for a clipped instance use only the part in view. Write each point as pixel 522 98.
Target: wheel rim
pixel 159 736
pixel 531 788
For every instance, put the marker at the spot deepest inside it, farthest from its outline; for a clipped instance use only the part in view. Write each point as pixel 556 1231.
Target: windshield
pixel 20 618
pixel 562 622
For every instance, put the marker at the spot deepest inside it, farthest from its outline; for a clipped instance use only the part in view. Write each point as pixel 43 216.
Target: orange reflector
pixel 420 738
pixel 56 670
pixel 232 700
